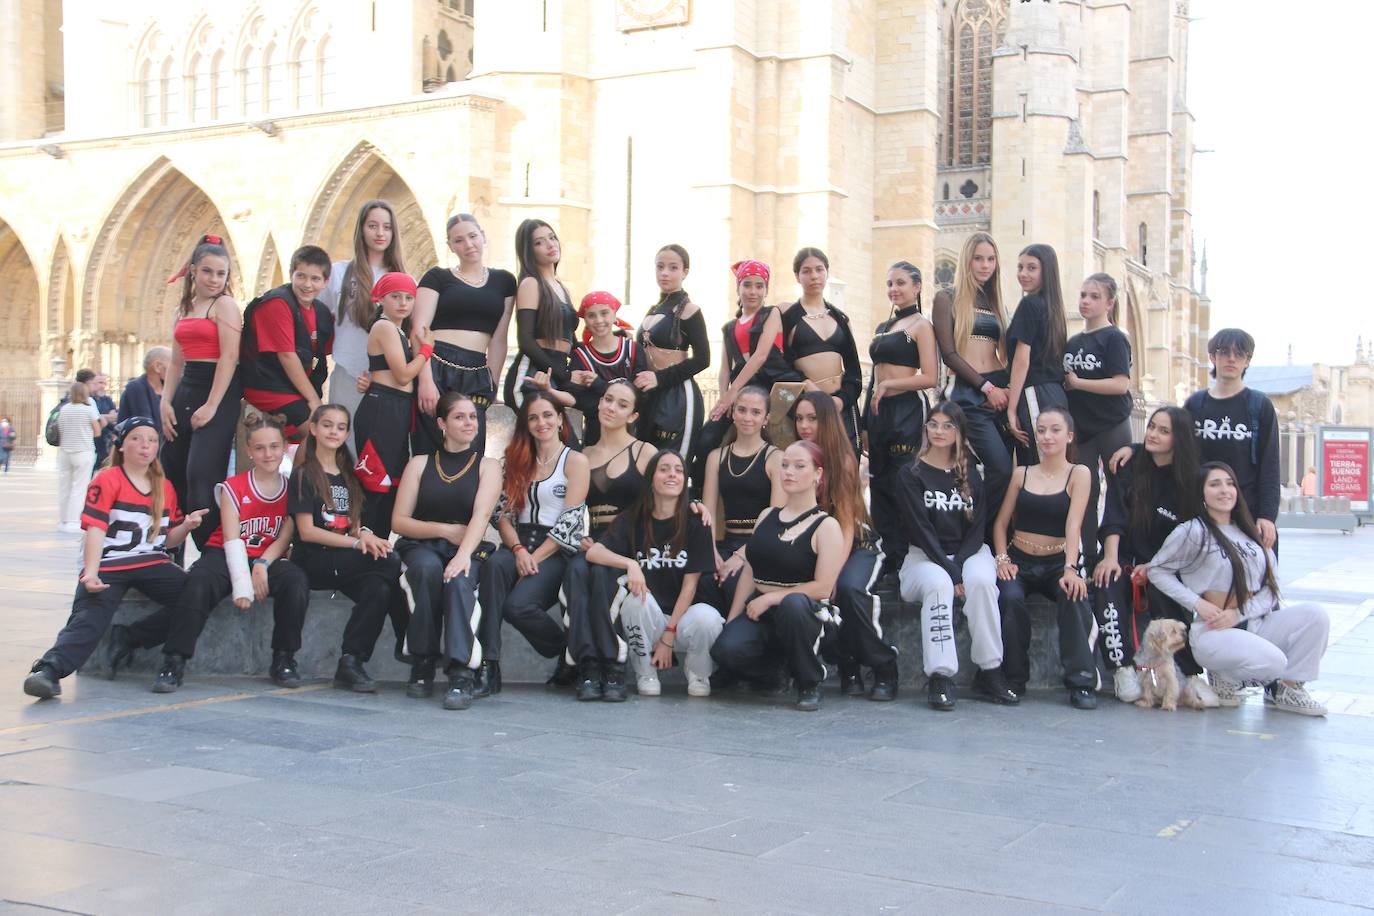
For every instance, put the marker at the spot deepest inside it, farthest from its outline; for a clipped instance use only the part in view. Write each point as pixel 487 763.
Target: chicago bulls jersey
pixel 260 517
pixel 124 512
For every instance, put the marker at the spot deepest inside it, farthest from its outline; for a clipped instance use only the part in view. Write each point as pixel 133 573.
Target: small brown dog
pixel 1159 680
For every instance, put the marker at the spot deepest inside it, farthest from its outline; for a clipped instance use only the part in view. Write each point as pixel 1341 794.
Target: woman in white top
pixel 78 424
pixel 1216 565
pixel 348 296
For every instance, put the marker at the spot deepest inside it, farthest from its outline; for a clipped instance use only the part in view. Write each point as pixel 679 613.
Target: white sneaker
pixel 648 685
pixel 1204 692
pixel 1226 689
pixel 698 686
pixel 1127 684
pixel 1293 699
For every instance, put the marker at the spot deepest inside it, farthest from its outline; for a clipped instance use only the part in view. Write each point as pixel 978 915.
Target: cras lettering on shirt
pixel 953 501
pixel 1082 362
pixel 1212 430
pixel 662 558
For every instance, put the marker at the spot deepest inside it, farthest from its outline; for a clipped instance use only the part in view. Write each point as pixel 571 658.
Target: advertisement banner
pixel 1345 466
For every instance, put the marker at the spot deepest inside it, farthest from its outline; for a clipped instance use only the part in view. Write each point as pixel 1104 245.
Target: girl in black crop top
pixel 545 320
pixel 606 353
pixel 673 336
pixel 903 354
pixel 443 504
pixel 384 416
pixel 1045 505
pixel 780 607
pixel 468 308
pixel 1035 348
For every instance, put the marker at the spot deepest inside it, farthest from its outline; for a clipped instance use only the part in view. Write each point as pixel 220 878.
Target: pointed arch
pixel 62 318
pixel 149 233
pixel 19 308
pixel 269 270
pixel 975 30
pixel 362 175
pixel 1132 324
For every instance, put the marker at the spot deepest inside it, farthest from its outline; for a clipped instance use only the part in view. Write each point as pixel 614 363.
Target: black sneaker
pixel 613 683
pixel 284 671
pixel 171 675
pixel 852 680
pixel 120 650
pixel 809 698
pixel 940 692
pixel 351 676
pixel 1082 698
pixel 43 682
pixel 884 683
pixel 459 694
pixel 488 679
pixel 589 685
pixel 421 682
pixel 564 674
pixel 992 684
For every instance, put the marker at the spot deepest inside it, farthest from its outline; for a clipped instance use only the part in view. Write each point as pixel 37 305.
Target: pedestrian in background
pixel 7 440
pixel 79 427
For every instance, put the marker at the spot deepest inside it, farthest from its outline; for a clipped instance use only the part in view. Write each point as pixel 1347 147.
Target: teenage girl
pixel 131 519
pixel 743 478
pixel 1044 506
pixel 468 308
pixel 387 412
pixel 903 355
pixel 333 546
pixel 248 563
pixel 376 250
pixel 1035 348
pixel 673 336
pixel 443 505
pixel 1217 565
pixel 1097 380
pixel 616 479
pixel 969 326
pixel 202 395
pixel 861 638
pixel 944 510
pixel 545 320
pixel 818 342
pixel 606 353
pixel 780 607
pixel 541 524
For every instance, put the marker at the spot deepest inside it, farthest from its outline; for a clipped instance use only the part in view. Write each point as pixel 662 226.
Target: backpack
pixel 52 432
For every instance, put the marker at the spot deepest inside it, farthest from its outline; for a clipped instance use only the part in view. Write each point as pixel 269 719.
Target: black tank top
pixel 896 348
pixel 378 363
pixel 745 489
pixel 608 496
pixel 781 562
pixel 448 487
pixel 1038 513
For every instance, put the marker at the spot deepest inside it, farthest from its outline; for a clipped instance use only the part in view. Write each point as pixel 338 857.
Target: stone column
pixel 50 391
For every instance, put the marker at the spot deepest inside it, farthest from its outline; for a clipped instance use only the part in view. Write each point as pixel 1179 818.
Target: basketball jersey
pixel 124 512
pixel 546 499
pixel 260 517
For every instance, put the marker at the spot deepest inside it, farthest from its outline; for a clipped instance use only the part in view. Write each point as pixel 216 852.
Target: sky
pixel 1284 198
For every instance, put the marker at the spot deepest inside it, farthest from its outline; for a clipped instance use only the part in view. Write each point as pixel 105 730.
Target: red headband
pixel 392 283
pixel 600 297
pixel 750 268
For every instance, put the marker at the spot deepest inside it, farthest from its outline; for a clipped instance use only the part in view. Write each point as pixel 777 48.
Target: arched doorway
pixel 269 270
pixel 361 176
pixel 128 304
pixel 20 311
pixel 60 337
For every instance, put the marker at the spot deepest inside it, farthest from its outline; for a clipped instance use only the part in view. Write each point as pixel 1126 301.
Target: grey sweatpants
pixel 925 582
pixel 1287 643
pixel 644 623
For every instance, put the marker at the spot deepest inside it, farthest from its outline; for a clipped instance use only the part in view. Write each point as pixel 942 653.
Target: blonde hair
pixel 79 393
pixel 157 490
pixel 967 290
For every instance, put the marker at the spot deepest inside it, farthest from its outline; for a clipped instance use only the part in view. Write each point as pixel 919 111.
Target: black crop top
pixel 1042 513
pixel 608 496
pixel 527 337
pixel 795 345
pixel 448 487
pixel 463 307
pixel 745 489
pixel 687 335
pixel 985 326
pixel 895 348
pixel 378 363
pixel 780 562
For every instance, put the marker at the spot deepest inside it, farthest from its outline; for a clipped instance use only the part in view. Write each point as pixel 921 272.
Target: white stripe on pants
pixel 73 473
pixel 697 629
pixel 1287 643
pixel 925 582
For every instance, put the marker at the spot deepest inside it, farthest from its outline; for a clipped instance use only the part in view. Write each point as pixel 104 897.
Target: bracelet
pixel 518 547
pixel 427 351
pixel 259 562
pixel 1071 568
pixel 670 628
pixel 1002 558
pixel 357 544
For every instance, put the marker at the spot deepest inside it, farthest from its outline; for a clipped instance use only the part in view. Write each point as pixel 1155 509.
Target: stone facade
pixel 737 129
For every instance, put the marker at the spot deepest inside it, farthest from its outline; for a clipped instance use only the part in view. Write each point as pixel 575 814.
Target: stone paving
pixel 232 796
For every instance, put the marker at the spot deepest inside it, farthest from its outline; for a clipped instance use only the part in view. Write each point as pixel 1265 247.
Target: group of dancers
pixel 744 545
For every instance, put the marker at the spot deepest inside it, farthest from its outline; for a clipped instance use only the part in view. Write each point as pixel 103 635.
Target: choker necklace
pixel 907 310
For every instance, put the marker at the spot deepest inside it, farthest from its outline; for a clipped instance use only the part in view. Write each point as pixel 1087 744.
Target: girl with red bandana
pixel 606 353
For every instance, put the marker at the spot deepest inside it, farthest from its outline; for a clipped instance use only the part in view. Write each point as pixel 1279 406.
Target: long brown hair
pixel 157 490
pixel 967 291
pixel 1241 518
pixel 548 317
pixel 1183 470
pixel 313 471
pixel 843 496
pixel 355 296
pixel 642 511
pixel 962 456
pixel 521 450
pixel 208 245
pixel 1052 291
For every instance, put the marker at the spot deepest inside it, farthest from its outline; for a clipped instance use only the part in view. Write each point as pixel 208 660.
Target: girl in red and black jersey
pixel 131 519
pixel 201 399
pixel 605 355
pixel 333 546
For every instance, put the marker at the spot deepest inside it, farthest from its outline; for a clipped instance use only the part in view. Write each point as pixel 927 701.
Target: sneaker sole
pixel 166 688
pixel 698 693
pixel 36 687
pixel 354 688
pixel 458 705
pixel 614 697
pixel 654 691
pixel 1300 711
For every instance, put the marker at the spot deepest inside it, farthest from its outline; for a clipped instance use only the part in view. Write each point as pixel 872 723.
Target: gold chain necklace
pixel 729 464
pixel 439 467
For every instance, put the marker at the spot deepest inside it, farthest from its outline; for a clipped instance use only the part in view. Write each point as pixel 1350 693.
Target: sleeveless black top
pixel 608 496
pixel 1042 513
pixel 744 488
pixel 985 326
pixel 378 363
pixel 895 348
pixel 448 487
pixel 779 562
pixel 774 369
